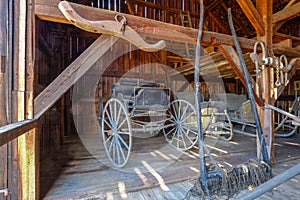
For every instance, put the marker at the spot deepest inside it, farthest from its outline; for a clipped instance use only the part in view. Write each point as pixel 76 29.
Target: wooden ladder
pixel 186 21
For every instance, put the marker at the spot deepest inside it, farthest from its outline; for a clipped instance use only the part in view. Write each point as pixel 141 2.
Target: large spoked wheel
pixel 116 132
pixel 181 126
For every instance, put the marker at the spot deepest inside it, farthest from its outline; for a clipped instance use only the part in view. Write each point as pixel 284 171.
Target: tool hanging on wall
pixel 280 64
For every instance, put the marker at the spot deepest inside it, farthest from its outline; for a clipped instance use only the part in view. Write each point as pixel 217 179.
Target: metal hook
pixel 122 21
pixel 257 59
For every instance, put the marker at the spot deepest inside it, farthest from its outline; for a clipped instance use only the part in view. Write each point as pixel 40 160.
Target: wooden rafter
pixel 231 56
pixel 277 25
pixel 287 13
pixel 253 15
pixel 130 7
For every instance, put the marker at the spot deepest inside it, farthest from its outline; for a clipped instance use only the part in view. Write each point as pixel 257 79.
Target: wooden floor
pixel 154 171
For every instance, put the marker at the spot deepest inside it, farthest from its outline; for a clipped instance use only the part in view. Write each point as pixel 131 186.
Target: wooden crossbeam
pixel 12 131
pixel 253 15
pixel 48 10
pixel 232 57
pixel 71 74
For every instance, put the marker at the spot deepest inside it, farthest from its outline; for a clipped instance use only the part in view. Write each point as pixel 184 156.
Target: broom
pixel 216 180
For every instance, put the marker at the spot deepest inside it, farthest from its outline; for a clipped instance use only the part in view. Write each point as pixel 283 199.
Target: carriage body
pixel 141 108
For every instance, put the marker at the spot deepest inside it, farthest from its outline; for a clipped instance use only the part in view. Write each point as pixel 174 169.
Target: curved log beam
pixel 116 28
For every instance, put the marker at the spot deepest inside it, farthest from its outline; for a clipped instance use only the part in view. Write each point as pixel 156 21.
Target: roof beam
pixel 253 15
pixel 287 13
pixel 277 25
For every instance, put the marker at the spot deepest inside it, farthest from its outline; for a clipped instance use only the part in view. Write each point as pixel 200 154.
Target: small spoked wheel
pixel 181 126
pixel 116 132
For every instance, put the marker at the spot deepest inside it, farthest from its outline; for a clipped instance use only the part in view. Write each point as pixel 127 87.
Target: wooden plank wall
pixel 57 46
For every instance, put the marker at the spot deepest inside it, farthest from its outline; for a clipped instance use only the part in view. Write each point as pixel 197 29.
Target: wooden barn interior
pixel 57 75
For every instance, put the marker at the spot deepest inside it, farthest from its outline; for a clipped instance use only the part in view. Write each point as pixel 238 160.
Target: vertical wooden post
pixel 23 164
pixel 3 89
pixel 31 138
pixel 265 8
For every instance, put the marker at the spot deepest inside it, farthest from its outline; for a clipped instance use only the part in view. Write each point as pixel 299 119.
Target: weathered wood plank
pixel 266 81
pixel 252 14
pixel 48 10
pixel 71 74
pixel 3 89
pixel 12 131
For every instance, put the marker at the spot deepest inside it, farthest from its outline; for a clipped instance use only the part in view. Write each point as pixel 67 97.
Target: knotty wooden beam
pixel 253 15
pixel 231 56
pixel 266 82
pixel 48 10
pixel 287 13
pixel 71 74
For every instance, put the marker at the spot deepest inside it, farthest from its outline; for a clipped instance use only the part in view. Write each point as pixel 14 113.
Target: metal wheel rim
pixel 181 129
pixel 116 132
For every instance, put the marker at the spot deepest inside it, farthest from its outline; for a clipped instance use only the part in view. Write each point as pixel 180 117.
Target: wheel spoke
pixel 124 133
pixel 109 117
pixel 121 150
pixel 119 114
pixel 115 111
pixel 118 153
pixel 187 135
pixel 124 143
pixel 184 112
pixel 114 150
pixel 110 145
pixel 108 124
pixel 192 113
pixel 121 124
pixel 175 132
pixel 174 111
pixel 191 130
pixel 178 138
pixel 183 141
pixel 179 110
pixel 108 139
pixel 170 131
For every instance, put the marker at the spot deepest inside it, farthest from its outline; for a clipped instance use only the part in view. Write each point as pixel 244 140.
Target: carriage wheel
pixel 116 132
pixel 181 126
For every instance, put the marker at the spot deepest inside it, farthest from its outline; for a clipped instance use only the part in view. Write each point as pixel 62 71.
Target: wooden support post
pixel 3 89
pixel 266 82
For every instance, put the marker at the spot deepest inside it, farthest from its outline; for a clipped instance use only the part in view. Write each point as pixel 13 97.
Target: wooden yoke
pixel 115 27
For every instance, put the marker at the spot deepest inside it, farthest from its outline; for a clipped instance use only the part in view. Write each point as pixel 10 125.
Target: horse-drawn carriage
pixel 140 107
